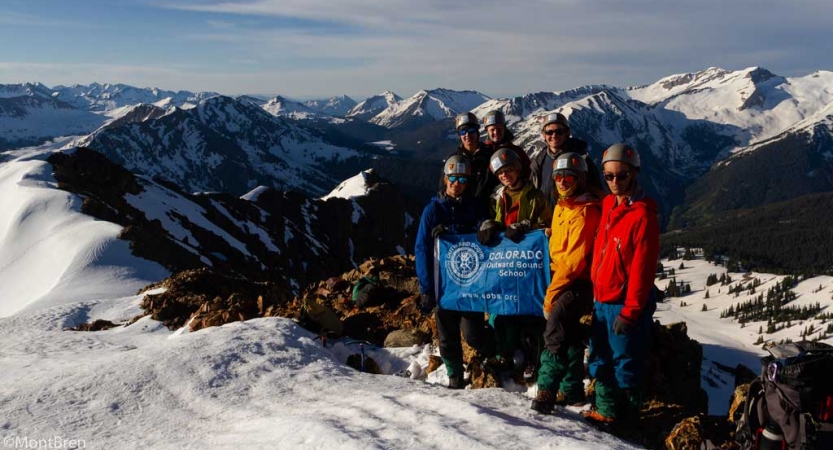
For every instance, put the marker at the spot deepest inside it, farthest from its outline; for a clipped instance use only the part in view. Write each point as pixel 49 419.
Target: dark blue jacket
pixel 460 216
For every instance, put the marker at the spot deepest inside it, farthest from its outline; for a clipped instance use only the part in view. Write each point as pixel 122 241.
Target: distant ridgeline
pixel 793 236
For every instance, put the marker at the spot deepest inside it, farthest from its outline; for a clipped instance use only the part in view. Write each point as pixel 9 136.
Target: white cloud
pixel 361 47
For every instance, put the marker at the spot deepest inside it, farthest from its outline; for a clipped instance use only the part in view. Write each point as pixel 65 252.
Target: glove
pixel 517 230
pixel 427 303
pixel 621 326
pixel 488 231
pixel 438 231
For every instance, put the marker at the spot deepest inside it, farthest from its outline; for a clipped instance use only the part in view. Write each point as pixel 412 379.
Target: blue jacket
pixel 459 216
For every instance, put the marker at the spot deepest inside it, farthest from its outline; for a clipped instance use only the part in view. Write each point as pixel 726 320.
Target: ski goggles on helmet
pixel 465 131
pixel 458 179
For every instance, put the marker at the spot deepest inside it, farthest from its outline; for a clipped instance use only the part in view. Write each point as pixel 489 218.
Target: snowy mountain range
pixel 428 106
pixel 80 234
pixel 371 106
pixel 333 106
pixel 88 222
pixel 223 145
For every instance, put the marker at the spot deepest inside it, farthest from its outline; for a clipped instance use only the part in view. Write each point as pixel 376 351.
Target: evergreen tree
pixel 704 308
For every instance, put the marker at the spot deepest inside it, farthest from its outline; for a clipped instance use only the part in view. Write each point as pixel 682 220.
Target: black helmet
pixel 494 117
pixel 555 118
pixel 502 158
pixel 457 165
pixel 466 120
pixel 570 161
pixel 621 152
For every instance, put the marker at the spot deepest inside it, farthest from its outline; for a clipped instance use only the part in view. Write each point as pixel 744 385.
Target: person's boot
pixel 604 410
pixel 544 402
pixel 456 382
pixel 593 415
pixel 562 399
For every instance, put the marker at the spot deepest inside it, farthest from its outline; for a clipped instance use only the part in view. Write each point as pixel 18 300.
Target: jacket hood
pixel 584 199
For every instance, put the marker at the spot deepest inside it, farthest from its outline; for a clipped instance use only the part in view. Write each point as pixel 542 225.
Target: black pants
pixel 473 326
pixel 563 327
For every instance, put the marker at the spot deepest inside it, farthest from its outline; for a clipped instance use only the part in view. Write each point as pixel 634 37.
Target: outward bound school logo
pixel 463 263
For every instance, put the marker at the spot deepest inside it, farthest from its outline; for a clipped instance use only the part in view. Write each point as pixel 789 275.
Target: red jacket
pixel 625 254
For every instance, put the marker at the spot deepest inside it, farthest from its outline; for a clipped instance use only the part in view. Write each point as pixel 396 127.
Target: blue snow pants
pixel 619 360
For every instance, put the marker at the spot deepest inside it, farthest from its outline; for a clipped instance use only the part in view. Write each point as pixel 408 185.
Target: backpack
pixel 792 398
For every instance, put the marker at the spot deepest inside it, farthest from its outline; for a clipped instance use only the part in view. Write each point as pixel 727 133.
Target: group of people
pixel 603 244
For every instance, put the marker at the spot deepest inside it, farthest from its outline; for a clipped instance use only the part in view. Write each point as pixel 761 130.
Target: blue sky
pixel 318 48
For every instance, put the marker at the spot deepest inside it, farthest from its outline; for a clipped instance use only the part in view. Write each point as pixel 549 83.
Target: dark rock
pixel 96 325
pixel 404 338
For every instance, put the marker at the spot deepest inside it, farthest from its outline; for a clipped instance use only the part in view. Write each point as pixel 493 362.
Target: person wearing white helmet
pixel 450 211
pixel 569 296
pixel 501 137
pixel 519 207
pixel 625 258
pixel 556 134
pixel 483 182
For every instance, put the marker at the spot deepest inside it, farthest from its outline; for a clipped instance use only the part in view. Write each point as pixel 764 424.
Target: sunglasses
pixel 564 177
pixel 623 176
pixel 466 131
pixel 557 132
pixel 457 179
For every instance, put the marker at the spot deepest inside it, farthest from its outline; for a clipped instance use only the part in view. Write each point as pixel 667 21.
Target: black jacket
pixel 594 184
pixel 483 182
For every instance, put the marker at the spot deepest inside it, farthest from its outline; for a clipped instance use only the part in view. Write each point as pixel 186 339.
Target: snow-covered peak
pixel 755 102
pixel 356 186
pixel 374 105
pixel 429 105
pixel 24 89
pixel 336 106
pixel 105 97
pixel 538 103
pixel 255 193
pixel 282 107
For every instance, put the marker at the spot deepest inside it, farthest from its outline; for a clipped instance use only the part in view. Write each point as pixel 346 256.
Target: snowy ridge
pixel 356 186
pixel 264 383
pixel 51 253
pixel 435 104
pixel 29 120
pixel 282 107
pixel 334 106
pixel 223 145
pixel 372 106
pixel 105 97
pixel 755 101
pixel 537 104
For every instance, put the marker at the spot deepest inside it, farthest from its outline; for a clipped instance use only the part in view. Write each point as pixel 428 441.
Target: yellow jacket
pixel 574 224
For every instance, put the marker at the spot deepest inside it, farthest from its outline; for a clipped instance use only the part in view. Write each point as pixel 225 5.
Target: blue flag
pixel 507 279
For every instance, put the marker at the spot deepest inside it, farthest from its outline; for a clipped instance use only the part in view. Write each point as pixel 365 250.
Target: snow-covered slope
pixel 356 186
pixel 104 97
pixel 428 106
pixel 334 106
pixel 224 145
pixel 263 383
pixel 725 341
pixel 282 107
pixel 372 106
pixel 51 253
pixel 535 104
pixel 33 119
pixel 759 103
